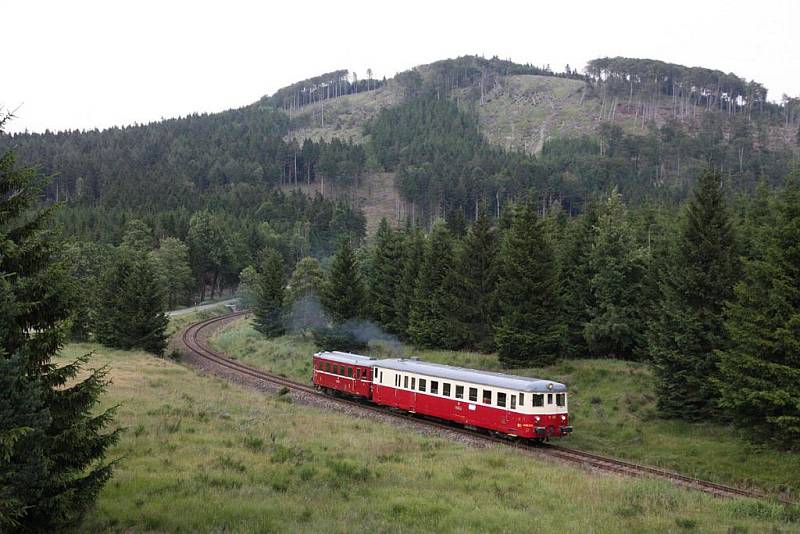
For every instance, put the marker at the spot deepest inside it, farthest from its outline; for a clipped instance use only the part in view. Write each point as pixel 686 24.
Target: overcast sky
pixel 80 64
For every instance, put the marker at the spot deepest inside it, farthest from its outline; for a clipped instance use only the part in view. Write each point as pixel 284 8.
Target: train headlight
pixel 563 417
pixel 537 418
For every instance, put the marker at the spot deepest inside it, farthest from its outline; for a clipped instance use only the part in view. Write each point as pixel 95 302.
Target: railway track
pixel 192 339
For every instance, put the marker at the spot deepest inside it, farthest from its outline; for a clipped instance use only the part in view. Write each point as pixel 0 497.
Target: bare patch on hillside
pixel 342 117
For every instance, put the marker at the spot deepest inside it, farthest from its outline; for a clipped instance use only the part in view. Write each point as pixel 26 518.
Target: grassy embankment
pixel 199 454
pixel 612 405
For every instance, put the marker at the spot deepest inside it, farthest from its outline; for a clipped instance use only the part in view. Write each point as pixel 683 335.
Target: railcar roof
pixel 346 357
pixel 486 378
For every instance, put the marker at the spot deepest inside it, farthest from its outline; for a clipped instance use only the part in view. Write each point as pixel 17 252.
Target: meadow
pixel 612 405
pixel 201 455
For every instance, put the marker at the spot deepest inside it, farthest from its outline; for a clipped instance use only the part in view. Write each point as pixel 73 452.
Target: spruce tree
pixel 430 321
pixel 575 275
pixel 616 327
pixel 476 272
pixel 270 295
pixel 130 311
pixel 52 438
pixel 529 331
pixel 413 255
pixel 688 325
pixel 344 296
pixel 759 382
pixel 386 270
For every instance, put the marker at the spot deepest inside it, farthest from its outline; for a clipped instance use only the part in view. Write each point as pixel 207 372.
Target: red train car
pixel 513 405
pixel 347 373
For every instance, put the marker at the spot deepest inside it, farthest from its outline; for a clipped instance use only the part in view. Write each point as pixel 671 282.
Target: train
pixel 516 406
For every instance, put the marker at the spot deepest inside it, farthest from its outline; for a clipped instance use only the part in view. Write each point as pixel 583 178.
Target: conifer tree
pixel 430 321
pixel 529 331
pixel 385 272
pixel 52 439
pixel 688 325
pixel 760 372
pixel 476 272
pixel 270 295
pixel 575 276
pixel 344 297
pixel 130 310
pixel 413 255
pixel 616 327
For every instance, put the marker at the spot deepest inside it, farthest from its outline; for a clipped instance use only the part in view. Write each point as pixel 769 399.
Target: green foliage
pixel 476 274
pixel 619 264
pixel 337 337
pixel 303 293
pixel 386 269
pixel 270 295
pixel 576 274
pixel 248 287
pixel 413 253
pixel 138 237
pixel 171 266
pixel 52 440
pixel 130 308
pixel 209 249
pixel 344 296
pixel 86 263
pixel 529 331
pixel 688 328
pixel 760 371
pixel 430 322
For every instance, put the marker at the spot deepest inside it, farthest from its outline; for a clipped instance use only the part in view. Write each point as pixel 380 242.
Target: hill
pixel 644 126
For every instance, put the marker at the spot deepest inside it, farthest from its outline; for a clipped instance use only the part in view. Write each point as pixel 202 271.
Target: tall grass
pixel 201 455
pixel 612 405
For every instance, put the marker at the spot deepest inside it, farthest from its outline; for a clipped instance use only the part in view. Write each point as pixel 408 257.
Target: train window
pixel 560 398
pixel 445 389
pixel 537 400
pixel 422 384
pixel 501 399
pixel 405 381
pixel 397 380
pixel 513 402
pixel 459 392
pixel 549 398
pixel 327 367
pixel 381 375
pixel 413 383
pixel 487 396
pixel 434 387
pixel 522 399
pixel 473 394
pixel 350 372
pixel 358 374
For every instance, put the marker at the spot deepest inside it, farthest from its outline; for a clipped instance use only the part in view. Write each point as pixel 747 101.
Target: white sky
pixel 81 64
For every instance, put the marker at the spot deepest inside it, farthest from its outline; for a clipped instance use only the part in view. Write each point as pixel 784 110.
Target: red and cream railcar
pixel 513 405
pixel 344 372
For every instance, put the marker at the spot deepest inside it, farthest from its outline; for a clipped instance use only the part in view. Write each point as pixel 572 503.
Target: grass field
pixel 201 455
pixel 612 406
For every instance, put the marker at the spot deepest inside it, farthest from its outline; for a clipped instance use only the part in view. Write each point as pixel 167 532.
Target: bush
pixel 337 338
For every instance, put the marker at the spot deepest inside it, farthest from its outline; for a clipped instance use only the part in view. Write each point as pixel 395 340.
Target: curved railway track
pixel 191 337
